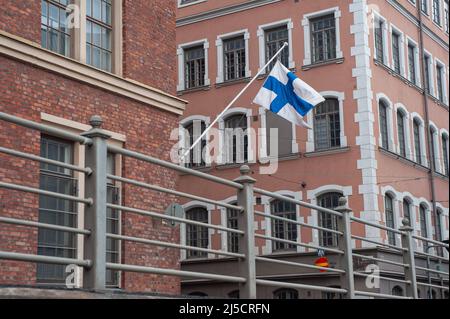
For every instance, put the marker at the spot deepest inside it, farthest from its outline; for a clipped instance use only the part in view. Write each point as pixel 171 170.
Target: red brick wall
pixel 27 91
pixel 21 18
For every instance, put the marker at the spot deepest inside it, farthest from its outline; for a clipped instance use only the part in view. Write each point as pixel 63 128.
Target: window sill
pixel 232 165
pixel 232 82
pixel 196 89
pixel 404 160
pixel 319 64
pixel 199 169
pixel 331 151
pixel 281 158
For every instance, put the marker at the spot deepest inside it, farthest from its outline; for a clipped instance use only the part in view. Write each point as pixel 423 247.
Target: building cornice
pixel 223 11
pixel 29 52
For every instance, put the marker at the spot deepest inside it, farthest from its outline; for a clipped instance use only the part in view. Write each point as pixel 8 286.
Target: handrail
pixel 298 286
pixel 359 220
pixel 20 222
pixel 378 243
pixel 356 273
pixel 44 259
pixel 378 295
pixel 289 263
pixel 380 260
pixel 430 241
pixel 433 271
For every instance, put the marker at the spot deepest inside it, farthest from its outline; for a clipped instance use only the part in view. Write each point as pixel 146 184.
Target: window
pixel 446 20
pixel 445 153
pixel 401 133
pixel 323 38
pixel 379 41
pixel 384 125
pixel 234 58
pixel 56 211
pixel 197 236
pixel 327 125
pixel 412 63
pixel 389 211
pixel 192 132
pixel 434 156
pixel 438 231
pixel 427 74
pixel 283 229
pixel 424 6
pixel 195 67
pixel 423 222
pixel 112 225
pixel 285 134
pixel 99 34
pixel 332 295
pixel 396 52
pixel 437 11
pixel 407 211
pixel 440 83
pixel 55 33
pixel 326 220
pixel 274 40
pixel 285 294
pixel 397 291
pixel 236 138
pixel 183 2
pixel 417 147
pixel 233 223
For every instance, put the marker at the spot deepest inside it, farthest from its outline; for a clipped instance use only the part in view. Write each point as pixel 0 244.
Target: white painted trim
pixel 439 63
pixel 435 138
pixel 422 137
pixel 431 75
pixel 180 53
pixel 182 136
pixel 444 133
pixel 224 221
pixel 376 18
pixel 180 5
pixel 394 29
pixel 418 79
pixel 399 107
pixel 383 97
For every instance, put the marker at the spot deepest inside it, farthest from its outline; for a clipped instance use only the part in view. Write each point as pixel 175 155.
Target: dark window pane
pixel 236 138
pixel 327 125
pixel 330 201
pixel 283 229
pixel 197 236
pixel 194 59
pixel 234 58
pixel 275 38
pixel 323 37
pixel 389 211
pixel 384 126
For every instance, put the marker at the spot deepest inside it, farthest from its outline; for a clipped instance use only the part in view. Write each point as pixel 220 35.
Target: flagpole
pixel 285 44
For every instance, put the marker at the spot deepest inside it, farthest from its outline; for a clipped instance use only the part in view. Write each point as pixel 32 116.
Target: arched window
pixel 417 147
pixel 423 221
pixel 285 294
pixel 326 220
pixel 234 294
pixel 197 236
pixel 401 132
pixel 327 125
pixel 384 125
pixel 438 230
pixel 389 211
pixel 434 148
pixel 407 210
pixel 233 223
pixel 193 131
pixel 397 291
pixel 236 138
pixel 445 153
pixel 283 229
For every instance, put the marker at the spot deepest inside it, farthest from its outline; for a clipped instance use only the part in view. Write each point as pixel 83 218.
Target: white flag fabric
pixel 286 95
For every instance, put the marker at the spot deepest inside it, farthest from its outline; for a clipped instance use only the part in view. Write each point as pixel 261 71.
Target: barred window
pixel 323 37
pixel 440 85
pixel 437 11
pixel 233 223
pixel 433 135
pixel 427 75
pixel 192 132
pixel 438 231
pixel 236 138
pixel 401 133
pixel 99 34
pixel 197 236
pixel 275 39
pixel 327 125
pixel 423 221
pixel 417 148
pixel 424 6
pixel 445 153
pixel 384 126
pixel 412 63
pixel 234 55
pixel 326 220
pixel 396 52
pixel 379 44
pixel 389 212
pixel 194 59
pixel 285 294
pixel 55 34
pixel 283 229
pixel 56 211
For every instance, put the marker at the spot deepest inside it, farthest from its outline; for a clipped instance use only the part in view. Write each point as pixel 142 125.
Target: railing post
pixel 246 221
pixel 408 259
pixel 94 278
pixel 345 244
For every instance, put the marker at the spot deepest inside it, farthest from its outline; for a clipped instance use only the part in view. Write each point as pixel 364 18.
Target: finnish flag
pixel 286 95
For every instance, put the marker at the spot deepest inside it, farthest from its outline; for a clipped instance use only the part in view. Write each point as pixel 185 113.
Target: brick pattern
pixel 21 18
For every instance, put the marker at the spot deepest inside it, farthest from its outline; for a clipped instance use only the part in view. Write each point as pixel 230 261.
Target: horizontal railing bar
pixel 378 243
pixel 430 240
pixel 44 259
pixel 45 193
pixel 381 260
pixel 382 277
pixel 336 251
pixel 299 223
pixel 45 129
pixel 294 201
pixel 173 192
pixel 173 272
pixel 289 263
pixel 431 256
pixel 29 223
pixel 433 286
pixel 173 218
pixel 45 160
pixel 172 245
pixel 280 284
pixel 432 270
pixel 359 220
pixel 152 160
pixel 377 295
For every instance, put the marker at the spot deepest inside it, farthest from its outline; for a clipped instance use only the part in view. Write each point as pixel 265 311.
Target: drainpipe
pixel 430 145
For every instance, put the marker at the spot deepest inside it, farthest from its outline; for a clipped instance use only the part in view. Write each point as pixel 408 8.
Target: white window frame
pixel 399 107
pixel 390 122
pixel 262 41
pixel 376 18
pixel 394 30
pixel 439 25
pixel 180 53
pixel 427 13
pixel 307 32
pixel 441 64
pixel 224 222
pixel 340 96
pixel 410 41
pixel 397 198
pixel 182 136
pixel 220 54
pixel 431 75
pixel 422 138
pixel 183 5
pixel 443 132
pixel 436 140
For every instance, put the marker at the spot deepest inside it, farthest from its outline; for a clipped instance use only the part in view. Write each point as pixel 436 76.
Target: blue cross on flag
pixel 286 95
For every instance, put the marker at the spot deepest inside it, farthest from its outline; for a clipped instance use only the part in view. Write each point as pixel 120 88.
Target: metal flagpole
pixel 232 102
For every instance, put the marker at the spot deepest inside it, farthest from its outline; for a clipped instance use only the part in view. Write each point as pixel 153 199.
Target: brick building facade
pixel 111 64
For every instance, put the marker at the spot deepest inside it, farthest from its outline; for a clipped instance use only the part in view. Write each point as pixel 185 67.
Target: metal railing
pixel 95 235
